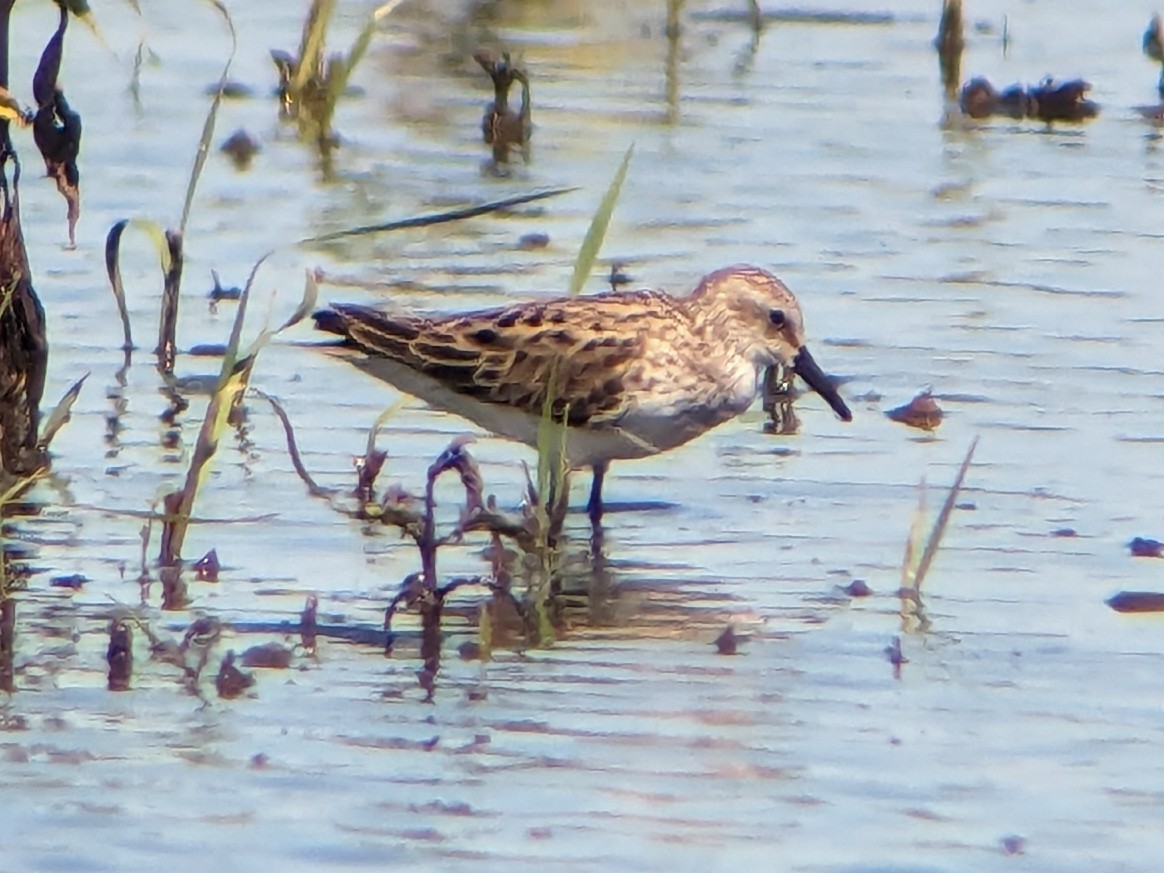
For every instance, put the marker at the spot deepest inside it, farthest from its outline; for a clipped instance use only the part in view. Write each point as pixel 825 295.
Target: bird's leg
pixel 594 507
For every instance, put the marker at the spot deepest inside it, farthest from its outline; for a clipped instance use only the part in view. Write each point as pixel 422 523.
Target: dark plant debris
pixel 206 568
pixel 7 642
pixel 1143 547
pixel 727 643
pixel 119 655
pixel 241 148
pixel 308 624
pixel 74 582
pixel 502 127
pixel 1013 844
pixel 529 242
pixel 231 682
pixel 230 90
pixel 858 588
pixel 1049 101
pixel 896 657
pixel 271 656
pixel 922 412
pixel 56 128
pixel 220 292
pixel 1137 601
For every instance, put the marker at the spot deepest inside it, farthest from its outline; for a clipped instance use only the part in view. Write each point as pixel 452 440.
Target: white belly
pixel 643 432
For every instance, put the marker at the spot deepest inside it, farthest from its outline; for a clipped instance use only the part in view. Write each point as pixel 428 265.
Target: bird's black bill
pixel 807 369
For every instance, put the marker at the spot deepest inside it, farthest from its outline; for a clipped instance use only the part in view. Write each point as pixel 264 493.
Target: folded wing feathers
pixel 588 345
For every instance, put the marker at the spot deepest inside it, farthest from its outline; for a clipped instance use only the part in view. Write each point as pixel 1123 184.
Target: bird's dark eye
pixel 776 317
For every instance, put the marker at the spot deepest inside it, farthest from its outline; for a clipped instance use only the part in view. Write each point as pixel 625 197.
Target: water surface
pixel 1012 268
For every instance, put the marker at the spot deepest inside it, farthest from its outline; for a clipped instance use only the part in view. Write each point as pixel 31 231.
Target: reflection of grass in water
pixel 233 380
pixel 916 563
pixel 12 487
pixel 553 485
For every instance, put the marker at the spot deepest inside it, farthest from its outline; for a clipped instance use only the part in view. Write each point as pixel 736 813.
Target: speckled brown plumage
pixel 633 372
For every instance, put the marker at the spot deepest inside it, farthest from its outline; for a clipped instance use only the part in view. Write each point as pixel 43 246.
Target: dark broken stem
pixel 112 247
pixel 7 643
pixel 410 590
pixel 5 16
pixel 292 447
pixel 168 323
pixel 440 217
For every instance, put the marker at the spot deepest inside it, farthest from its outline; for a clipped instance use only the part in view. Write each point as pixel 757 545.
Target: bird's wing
pixel 584 352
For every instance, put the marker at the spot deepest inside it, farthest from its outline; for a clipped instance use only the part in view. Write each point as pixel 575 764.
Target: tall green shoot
pixel 917 560
pixel 553 466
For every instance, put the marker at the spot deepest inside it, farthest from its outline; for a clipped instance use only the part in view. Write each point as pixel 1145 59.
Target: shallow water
pixel 1012 268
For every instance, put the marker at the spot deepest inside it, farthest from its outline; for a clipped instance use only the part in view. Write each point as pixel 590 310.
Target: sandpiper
pixel 633 373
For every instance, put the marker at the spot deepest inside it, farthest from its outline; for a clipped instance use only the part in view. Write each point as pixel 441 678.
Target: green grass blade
pixel 596 233
pixel 374 430
pixel 113 264
pixel 60 414
pixel 231 356
pixel 311 45
pixel 232 383
pixel 211 118
pixel 936 534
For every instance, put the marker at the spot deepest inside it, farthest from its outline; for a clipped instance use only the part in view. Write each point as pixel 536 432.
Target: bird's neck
pixel 723 328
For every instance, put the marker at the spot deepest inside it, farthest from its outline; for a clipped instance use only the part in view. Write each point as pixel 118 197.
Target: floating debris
pixel 1146 548
pixel 308 625
pixel 1137 601
pixel 207 350
pixel 206 568
pixel 858 588
pixel 219 292
pixel 502 127
pixel 241 148
pixel 1048 101
pixel 271 656
pixel 119 655
pixel 74 582
pixel 922 412
pixel 532 241
pixel 727 643
pixel 231 682
pixel 1012 844
pixel 202 634
pixel 896 657
pixel 230 90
